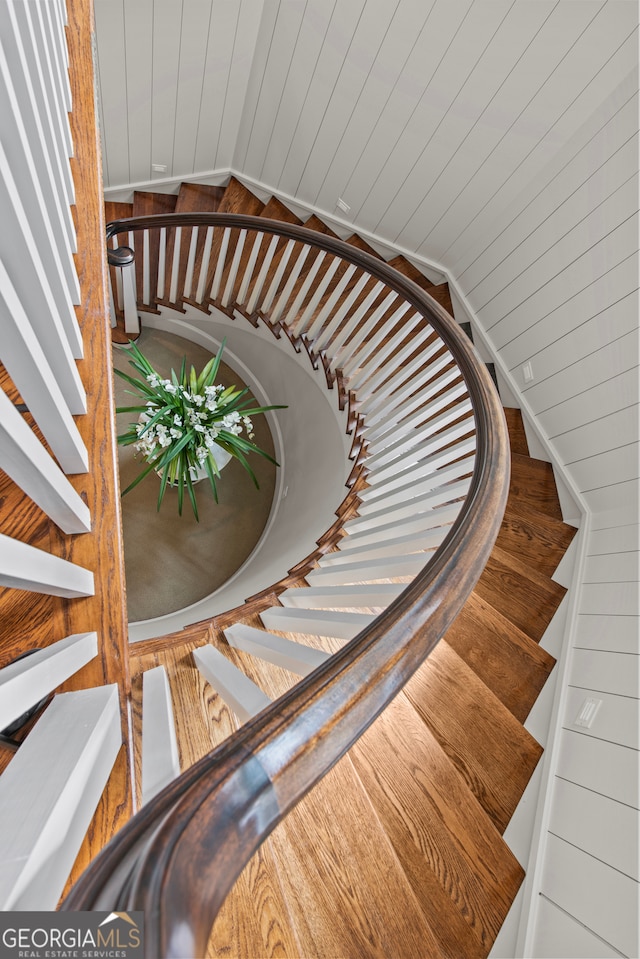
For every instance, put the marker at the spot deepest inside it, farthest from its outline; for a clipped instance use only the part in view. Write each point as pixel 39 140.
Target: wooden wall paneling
pixel 258 66
pixel 490 80
pixel 603 767
pixel 554 380
pixel 335 48
pixel 613 503
pixel 250 25
pixel 606 829
pixel 112 72
pixel 558 933
pixel 620 567
pixel 268 158
pixel 590 66
pixel 598 631
pixel 613 599
pixel 393 67
pixel 613 468
pixel 615 539
pixel 167 29
pixel 606 197
pixel 609 672
pixel 436 35
pixel 354 74
pixel 594 893
pixel 194 41
pixel 603 400
pixel 615 722
pixel 594 163
pixel 220 49
pixel 282 48
pixel 387 209
pixel 601 257
pixel 554 253
pixel 596 437
pixel 609 360
pixel 138 41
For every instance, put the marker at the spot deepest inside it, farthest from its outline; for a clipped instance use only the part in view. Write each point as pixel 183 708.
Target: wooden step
pixel 510 664
pixel 459 867
pixel 527 598
pixel 485 742
pixel 534 537
pixel 274 209
pixel 442 296
pixel 404 266
pixel 150 204
pixel 517 435
pixel 237 199
pixel 533 483
pixel 347 894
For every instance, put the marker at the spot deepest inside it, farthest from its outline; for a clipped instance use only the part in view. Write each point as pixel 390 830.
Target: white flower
pixel 175 433
pixel 177 420
pixel 154 379
pixel 197 399
pixel 170 388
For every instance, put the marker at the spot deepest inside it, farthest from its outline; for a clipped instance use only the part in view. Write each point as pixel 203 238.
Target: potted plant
pixel 188 426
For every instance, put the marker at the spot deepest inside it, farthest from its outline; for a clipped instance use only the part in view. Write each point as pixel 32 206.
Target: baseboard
pixel 540 444
pixel 123 193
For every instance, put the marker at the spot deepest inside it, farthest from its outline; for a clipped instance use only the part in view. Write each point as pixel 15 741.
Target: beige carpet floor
pixel 172 561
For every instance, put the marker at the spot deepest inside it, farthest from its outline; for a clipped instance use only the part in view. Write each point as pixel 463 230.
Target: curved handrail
pixel 178 858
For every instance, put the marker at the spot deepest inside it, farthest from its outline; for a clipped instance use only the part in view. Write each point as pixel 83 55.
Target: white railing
pixel 55 776
pixel 39 286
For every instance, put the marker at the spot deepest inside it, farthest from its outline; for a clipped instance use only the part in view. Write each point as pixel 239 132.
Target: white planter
pixel 199 473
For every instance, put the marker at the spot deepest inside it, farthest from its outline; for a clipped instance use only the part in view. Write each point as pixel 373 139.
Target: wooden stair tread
pixel 461 871
pixel 406 267
pixel 534 537
pixel 273 209
pixel 199 198
pixel 117 211
pixel 361 244
pixel 517 434
pixel 148 204
pixel 486 743
pixel 527 598
pixel 442 296
pixel 533 482
pixel 254 919
pixel 237 199
pixel 343 883
pixel 512 666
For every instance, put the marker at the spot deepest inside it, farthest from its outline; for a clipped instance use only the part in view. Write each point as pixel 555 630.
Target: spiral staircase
pixel 398 850
pixel 326 769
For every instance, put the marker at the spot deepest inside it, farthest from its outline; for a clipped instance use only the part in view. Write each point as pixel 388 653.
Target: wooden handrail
pixel 178 858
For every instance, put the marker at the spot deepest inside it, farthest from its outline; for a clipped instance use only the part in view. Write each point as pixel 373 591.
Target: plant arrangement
pixel 184 422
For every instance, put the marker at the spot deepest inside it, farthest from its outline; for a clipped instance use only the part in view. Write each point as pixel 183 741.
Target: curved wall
pixel 311 446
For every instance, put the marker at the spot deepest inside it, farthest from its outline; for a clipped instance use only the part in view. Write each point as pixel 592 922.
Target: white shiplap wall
pixel 172 80
pixel 496 138
pixel 554 284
